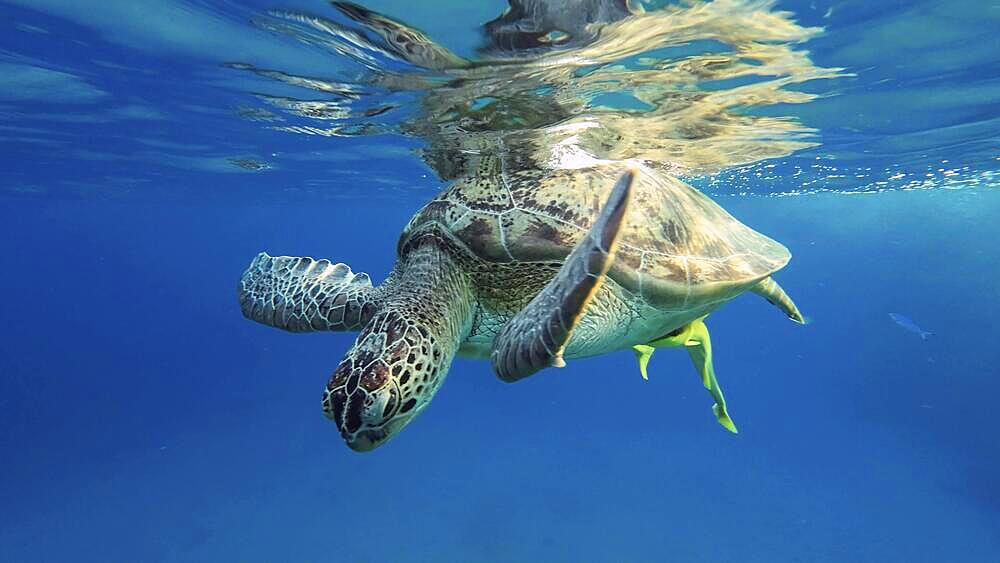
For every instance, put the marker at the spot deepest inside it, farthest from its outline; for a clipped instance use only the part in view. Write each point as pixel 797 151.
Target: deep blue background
pixel 143 419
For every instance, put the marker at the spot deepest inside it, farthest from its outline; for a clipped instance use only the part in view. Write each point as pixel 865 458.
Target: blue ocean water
pixel 151 149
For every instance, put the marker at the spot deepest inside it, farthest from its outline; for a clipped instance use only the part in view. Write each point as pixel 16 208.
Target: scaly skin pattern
pixel 402 355
pixel 303 295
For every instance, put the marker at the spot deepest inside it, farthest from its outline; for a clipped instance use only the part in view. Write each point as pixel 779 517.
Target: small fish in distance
pixel 908 324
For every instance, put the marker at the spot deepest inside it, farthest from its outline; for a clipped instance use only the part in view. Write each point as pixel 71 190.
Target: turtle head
pixel 385 380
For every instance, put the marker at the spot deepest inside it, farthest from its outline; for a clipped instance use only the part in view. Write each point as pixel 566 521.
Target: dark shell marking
pixel 678 249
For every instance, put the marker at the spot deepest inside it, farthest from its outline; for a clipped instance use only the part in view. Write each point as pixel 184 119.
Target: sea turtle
pixel 524 266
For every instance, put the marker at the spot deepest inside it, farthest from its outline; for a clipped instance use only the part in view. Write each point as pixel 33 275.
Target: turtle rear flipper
pixel 770 290
pixel 537 336
pixel 303 295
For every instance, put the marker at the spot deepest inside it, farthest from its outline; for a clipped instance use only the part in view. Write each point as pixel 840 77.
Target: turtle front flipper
pixel 537 336
pixel 303 295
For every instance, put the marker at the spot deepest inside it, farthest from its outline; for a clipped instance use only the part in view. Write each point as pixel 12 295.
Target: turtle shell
pixel 679 250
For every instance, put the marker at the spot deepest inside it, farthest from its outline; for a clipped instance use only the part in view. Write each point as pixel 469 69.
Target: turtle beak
pixel 364 416
pixel 366 440
pixel 383 382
